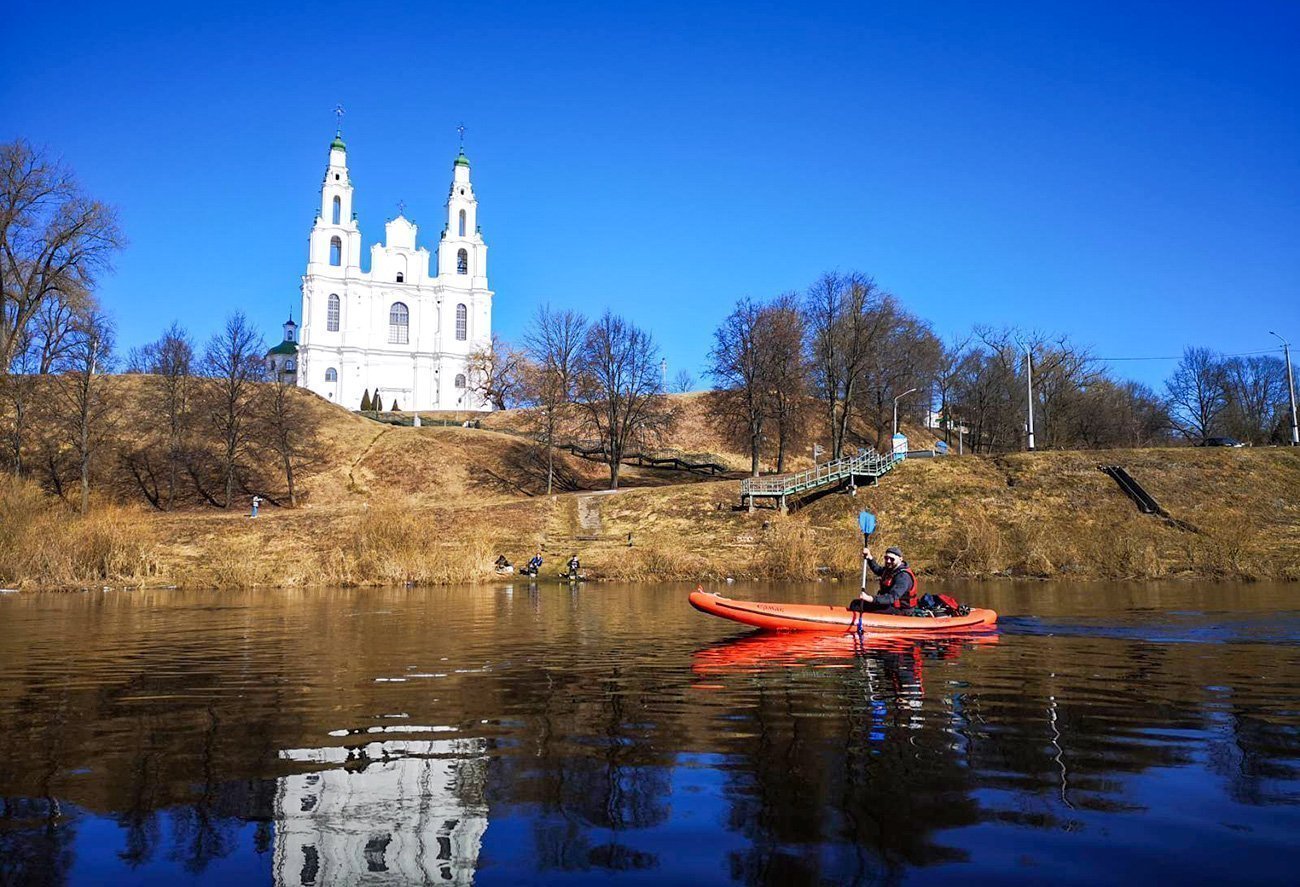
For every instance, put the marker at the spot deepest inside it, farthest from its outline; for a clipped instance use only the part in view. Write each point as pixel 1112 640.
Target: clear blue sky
pixel 1127 174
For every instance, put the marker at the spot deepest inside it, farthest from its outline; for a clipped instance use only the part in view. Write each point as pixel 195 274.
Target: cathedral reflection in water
pixel 389 811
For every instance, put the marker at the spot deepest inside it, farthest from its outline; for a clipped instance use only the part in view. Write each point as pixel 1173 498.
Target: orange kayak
pixel 824 617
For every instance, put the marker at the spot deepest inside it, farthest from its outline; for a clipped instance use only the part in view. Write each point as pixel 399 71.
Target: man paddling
pixel 897 584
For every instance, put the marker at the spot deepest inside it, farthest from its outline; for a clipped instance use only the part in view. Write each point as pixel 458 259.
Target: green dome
pixel 284 348
pixel 461 159
pixel 338 142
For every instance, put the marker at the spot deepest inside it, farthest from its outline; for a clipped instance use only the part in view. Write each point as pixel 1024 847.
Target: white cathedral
pixel 401 330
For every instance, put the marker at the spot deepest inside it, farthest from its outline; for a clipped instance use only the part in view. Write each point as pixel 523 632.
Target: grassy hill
pixel 385 505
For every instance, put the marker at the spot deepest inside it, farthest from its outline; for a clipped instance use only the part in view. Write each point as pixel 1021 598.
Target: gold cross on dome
pixel 461 129
pixel 338 117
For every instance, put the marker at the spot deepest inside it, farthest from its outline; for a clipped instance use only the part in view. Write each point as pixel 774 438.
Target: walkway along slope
pixel 787 489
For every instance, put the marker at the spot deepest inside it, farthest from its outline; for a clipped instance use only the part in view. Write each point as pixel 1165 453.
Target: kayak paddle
pixel 867 524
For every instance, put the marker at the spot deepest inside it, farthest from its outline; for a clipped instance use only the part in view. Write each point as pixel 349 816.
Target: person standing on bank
pixel 897 584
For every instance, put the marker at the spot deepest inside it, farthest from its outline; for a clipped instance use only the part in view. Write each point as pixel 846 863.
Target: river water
pixel 554 735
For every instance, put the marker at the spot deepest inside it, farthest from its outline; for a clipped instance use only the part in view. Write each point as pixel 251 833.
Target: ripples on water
pixel 556 735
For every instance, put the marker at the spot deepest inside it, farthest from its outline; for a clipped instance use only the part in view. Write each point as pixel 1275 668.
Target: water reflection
pixel 485 735
pixel 410 810
pixel 864 769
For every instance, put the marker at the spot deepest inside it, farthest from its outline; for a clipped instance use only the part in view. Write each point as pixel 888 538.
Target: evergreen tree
pixel 394 404
pixel 365 401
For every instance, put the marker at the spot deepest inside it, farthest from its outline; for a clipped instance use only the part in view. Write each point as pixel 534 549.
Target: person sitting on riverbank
pixel 898 585
pixel 534 566
pixel 503 566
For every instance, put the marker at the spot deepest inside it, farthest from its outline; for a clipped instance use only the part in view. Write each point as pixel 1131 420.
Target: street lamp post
pixel 896 400
pixel 1029 387
pixel 1290 388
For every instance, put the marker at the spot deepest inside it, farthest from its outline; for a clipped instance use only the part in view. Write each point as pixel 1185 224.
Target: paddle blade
pixel 867 522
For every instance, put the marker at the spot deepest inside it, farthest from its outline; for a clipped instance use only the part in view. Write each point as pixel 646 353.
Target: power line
pixel 1180 357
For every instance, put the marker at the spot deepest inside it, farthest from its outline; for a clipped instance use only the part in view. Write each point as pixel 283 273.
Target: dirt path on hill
pixel 352 478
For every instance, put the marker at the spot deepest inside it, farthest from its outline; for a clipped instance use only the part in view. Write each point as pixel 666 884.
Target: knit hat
pixel 894 551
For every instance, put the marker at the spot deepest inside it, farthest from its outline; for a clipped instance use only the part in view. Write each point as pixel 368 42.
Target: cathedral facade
pixel 402 329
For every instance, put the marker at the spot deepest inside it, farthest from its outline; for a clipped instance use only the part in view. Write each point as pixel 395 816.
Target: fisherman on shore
pixel 574 567
pixel 898 585
pixel 534 565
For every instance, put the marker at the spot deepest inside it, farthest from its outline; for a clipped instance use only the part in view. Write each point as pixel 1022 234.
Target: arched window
pixel 336 251
pixel 398 324
pixel 331 375
pixel 462 223
pixel 288 365
pixel 338 210
pixel 401 277
pixel 460 380
pixel 462 262
pixel 462 323
pixel 332 313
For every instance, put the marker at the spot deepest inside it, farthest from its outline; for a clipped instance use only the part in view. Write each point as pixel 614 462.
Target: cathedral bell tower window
pixel 462 323
pixel 332 314
pixel 336 251
pixel 462 223
pixel 338 210
pixel 398 324
pixel 462 262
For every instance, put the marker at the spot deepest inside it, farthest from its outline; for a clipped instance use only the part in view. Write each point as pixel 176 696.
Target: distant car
pixel 1221 442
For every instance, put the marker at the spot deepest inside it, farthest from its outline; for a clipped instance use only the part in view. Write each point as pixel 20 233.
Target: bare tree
pixel 782 341
pixel 736 364
pixel 906 355
pixel 86 408
pixel 493 371
pixel 233 362
pixel 945 381
pixel 758 361
pixel 1255 389
pixel 169 361
pixel 1115 414
pixel 842 314
pixel 620 386
pixel 1197 392
pixel 18 388
pixel 683 381
pixel 54 242
pixel 286 430
pixel 552 346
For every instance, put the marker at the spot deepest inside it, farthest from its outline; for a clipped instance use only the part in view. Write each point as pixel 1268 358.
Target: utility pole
pixel 1290 388
pixel 1029 376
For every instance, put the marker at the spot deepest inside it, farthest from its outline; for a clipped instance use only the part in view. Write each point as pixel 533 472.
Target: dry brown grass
pixel 1054 514
pixel 392 544
pixel 47 544
pixel 436 505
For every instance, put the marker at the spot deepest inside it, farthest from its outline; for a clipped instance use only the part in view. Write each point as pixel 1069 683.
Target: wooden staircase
pixel 786 489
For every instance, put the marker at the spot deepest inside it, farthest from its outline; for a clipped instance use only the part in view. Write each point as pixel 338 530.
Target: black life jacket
pixel 908 601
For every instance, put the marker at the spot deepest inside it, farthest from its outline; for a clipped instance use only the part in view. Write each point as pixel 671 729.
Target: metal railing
pixel 867 463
